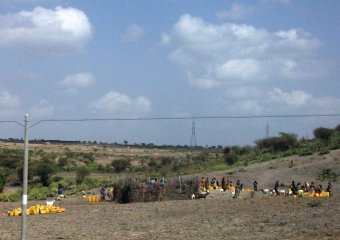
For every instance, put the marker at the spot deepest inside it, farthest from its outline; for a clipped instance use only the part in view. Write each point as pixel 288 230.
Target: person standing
pixel 255 183
pixel 276 188
pixel 329 188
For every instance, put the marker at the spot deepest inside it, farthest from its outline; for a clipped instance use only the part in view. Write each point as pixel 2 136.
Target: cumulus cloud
pixel 285 2
pixel 8 101
pixel 237 11
pixel 115 102
pixel 229 52
pixel 45 30
pixel 294 98
pixel 42 110
pixel 9 105
pixel 244 69
pixel 133 33
pixel 72 82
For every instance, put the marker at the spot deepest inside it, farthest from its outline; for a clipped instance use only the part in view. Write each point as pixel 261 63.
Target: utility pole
pixel 25 179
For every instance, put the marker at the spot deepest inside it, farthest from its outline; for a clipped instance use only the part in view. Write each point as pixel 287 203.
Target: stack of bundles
pixel 36 209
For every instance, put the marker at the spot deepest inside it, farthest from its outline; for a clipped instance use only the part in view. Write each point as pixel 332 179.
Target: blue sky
pixel 175 58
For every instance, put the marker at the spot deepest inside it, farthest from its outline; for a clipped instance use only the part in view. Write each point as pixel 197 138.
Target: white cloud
pixel 133 33
pixel 9 105
pixel 244 69
pixel 325 105
pixel 285 2
pixel 72 82
pixel 222 53
pixel 243 93
pixel 45 30
pixel 42 110
pixel 115 102
pixel 237 11
pixel 8 101
pixel 246 106
pixel 294 98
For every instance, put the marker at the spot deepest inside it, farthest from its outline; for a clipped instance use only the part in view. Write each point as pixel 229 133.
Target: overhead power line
pixel 180 118
pixel 12 122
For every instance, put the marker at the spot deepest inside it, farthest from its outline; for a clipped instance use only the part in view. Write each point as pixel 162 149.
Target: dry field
pixel 218 217
pixel 104 154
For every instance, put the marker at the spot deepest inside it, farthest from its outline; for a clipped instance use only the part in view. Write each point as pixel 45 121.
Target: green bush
pixel 44 169
pixel 327 174
pixel 11 196
pixel 120 165
pixel 81 174
pixel 40 193
pixel 305 152
pixel 324 151
pixel 323 133
pixel 3 179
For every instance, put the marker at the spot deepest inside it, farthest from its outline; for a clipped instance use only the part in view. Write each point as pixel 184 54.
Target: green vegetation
pixel 3 179
pixel 47 167
pixel 327 174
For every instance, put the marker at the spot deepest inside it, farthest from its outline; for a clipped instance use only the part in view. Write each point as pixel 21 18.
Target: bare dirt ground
pixel 218 217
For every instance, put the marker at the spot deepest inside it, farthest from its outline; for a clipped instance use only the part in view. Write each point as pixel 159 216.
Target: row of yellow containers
pixel 93 198
pixel 219 188
pixel 36 209
pixel 322 194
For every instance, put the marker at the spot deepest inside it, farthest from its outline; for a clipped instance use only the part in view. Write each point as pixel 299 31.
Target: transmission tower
pixel 193 142
pixel 267 130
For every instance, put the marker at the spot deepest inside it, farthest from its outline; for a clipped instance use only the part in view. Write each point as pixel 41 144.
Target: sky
pixel 84 59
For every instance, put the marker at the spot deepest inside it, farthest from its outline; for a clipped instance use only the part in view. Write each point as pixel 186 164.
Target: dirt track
pixel 218 217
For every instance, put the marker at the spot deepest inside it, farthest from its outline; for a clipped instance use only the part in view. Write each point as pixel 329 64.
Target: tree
pixel 229 155
pixel 323 133
pixel 337 128
pixel 120 165
pixel 44 169
pixel 281 143
pixel 81 174
pixel 3 179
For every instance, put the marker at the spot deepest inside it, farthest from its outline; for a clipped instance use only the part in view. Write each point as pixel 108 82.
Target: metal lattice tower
pixel 267 130
pixel 193 142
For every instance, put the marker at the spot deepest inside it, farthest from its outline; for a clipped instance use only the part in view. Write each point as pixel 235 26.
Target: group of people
pixel 295 188
pixel 225 184
pixel 136 189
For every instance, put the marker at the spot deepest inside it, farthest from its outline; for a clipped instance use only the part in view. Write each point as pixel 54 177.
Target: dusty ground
pixel 218 217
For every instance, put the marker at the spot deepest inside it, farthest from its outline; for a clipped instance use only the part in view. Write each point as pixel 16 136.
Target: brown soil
pixel 218 217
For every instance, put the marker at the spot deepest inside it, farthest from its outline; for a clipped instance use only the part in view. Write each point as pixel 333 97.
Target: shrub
pixel 327 174
pixel 229 155
pixel 11 196
pixel 323 133
pixel 3 179
pixel 81 174
pixel 282 143
pixel 20 169
pixel 120 165
pixel 40 193
pixel 44 169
